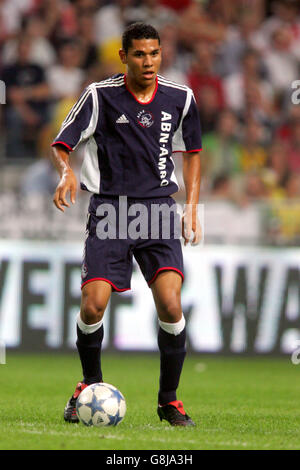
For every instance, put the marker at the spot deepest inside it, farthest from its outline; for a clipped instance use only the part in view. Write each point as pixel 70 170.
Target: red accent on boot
pixel 179 405
pixel 79 387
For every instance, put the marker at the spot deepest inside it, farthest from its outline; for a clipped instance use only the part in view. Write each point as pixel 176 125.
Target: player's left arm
pixel 192 180
pixel 187 139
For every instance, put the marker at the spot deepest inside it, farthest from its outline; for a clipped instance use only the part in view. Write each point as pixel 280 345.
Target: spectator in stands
pixel 278 168
pixel 286 212
pixel 27 107
pixel 85 12
pixel 209 109
pixel 240 37
pixel 202 78
pixel 285 13
pixel 66 78
pixel 222 188
pixel 248 83
pixel 284 128
pixel 221 12
pixel 152 12
pixel 11 13
pixel 281 63
pixel 86 7
pixel 66 81
pixel 258 106
pixel 206 85
pixel 168 66
pixel 255 187
pixel 197 24
pixel 220 148
pixel 111 20
pixel 252 154
pixel 59 19
pixel 292 186
pixel 293 150
pixel 87 40
pixel 42 52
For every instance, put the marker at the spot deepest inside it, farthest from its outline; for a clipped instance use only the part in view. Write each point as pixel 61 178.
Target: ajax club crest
pixel 145 119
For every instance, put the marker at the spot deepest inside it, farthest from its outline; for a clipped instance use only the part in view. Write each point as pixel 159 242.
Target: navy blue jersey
pixel 129 144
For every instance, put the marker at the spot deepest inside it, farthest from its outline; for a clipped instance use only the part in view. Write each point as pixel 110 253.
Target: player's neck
pixel 143 93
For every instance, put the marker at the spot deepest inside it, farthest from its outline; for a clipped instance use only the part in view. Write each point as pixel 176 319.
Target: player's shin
pixel 89 342
pixel 171 343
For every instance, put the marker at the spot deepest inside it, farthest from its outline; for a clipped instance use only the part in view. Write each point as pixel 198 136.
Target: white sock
pixel 173 328
pixel 88 329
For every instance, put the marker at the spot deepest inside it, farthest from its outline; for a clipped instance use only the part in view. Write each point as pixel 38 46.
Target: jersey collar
pixel 142 102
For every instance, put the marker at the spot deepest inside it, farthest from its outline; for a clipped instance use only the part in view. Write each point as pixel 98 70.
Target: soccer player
pixel 132 123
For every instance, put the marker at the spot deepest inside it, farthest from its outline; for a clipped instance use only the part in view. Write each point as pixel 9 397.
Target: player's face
pixel 143 60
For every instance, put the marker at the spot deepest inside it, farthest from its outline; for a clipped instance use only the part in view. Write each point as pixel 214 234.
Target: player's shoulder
pixel 172 88
pixel 113 83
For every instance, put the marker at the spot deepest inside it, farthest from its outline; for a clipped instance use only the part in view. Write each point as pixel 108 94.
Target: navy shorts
pixel 112 241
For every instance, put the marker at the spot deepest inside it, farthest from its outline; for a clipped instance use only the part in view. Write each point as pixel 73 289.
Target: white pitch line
pixel 108 436
pixel 200 442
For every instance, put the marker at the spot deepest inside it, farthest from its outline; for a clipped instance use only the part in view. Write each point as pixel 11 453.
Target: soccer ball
pixel 100 404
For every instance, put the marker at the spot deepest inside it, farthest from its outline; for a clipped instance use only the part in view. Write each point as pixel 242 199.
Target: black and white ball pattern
pixel 100 404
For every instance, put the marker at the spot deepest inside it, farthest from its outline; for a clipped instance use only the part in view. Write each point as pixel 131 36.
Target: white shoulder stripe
pixel 178 143
pixel 172 86
pixel 110 85
pixel 93 118
pixel 165 82
pixel 89 131
pixel 161 77
pixel 116 82
pixel 76 105
pixel 110 80
pixel 75 110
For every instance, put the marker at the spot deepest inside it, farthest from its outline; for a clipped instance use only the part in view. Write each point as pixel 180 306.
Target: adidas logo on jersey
pixel 122 120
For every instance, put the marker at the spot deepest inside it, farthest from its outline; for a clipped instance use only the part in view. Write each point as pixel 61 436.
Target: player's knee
pixel 92 310
pixel 170 311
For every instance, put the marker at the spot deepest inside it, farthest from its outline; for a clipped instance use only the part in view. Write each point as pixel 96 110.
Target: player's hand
pixel 68 183
pixel 191 223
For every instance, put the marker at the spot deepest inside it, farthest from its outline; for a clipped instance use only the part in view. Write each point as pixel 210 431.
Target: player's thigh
pixel 94 299
pixel 166 291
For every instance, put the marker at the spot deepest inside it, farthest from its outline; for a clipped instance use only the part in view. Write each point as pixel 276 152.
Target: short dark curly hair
pixel 138 31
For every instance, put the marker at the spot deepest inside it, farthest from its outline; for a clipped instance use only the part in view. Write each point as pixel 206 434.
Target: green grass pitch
pixel 237 403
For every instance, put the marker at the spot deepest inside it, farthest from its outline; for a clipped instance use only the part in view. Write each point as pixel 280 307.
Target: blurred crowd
pixel 240 57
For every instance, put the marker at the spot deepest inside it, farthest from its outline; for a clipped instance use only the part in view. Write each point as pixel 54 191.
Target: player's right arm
pixel 78 126
pixel 67 183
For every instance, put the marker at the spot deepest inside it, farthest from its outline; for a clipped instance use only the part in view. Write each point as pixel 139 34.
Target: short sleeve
pixel 80 123
pixel 187 137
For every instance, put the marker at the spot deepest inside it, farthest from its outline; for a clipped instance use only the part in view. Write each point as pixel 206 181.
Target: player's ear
pixel 123 56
